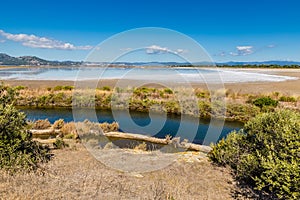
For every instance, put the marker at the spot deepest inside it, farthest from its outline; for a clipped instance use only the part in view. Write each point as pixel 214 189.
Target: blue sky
pixel 231 30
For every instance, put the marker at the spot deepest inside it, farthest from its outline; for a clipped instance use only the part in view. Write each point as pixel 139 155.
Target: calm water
pixel 151 74
pixel 173 125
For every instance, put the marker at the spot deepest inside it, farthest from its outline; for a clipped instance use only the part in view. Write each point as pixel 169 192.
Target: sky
pixel 228 30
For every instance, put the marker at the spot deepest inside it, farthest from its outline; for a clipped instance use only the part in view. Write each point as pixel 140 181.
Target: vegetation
pixel 17 150
pixel 265 154
pixel 60 143
pixel 58 124
pixel 272 66
pixel 265 101
pixel 239 107
pixel 32 61
pixel 287 99
pixel 41 124
pixel 245 65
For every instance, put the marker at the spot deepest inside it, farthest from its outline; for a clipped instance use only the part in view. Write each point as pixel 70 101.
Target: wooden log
pixel 139 137
pixel 45 132
pixel 133 136
pixel 196 147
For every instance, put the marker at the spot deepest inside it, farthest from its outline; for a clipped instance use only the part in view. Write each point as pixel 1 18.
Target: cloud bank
pixel 155 49
pixel 34 41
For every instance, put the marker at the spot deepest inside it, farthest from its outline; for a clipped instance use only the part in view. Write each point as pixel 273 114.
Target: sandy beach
pixel 289 87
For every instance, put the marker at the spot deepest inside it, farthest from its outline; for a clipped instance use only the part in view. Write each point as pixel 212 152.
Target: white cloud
pixel 2 41
pixel 155 49
pixel 41 42
pixel 242 51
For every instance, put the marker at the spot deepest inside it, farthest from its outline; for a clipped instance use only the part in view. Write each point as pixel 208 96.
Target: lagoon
pixel 195 75
pixel 141 120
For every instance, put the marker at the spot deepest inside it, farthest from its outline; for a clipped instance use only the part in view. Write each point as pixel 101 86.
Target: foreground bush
pixel 17 150
pixel 265 154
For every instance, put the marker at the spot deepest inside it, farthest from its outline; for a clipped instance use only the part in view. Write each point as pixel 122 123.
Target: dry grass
pixel 41 124
pixel 75 174
pixel 58 124
pixel 68 128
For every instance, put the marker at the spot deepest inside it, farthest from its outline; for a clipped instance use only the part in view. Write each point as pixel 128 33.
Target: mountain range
pixel 36 61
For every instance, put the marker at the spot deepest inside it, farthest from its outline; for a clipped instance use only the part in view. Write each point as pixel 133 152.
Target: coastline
pixel 288 87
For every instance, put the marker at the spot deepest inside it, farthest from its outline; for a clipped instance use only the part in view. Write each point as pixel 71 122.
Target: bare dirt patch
pixel 75 174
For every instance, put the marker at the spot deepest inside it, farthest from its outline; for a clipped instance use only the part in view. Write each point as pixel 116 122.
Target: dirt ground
pixel 75 174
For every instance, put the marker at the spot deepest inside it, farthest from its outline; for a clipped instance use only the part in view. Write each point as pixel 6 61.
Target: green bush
pixel 20 87
pixel 17 150
pixel 60 144
pixel 106 88
pixel 265 154
pixel 58 88
pixel 67 87
pixel 265 101
pixel 287 99
pixel 168 91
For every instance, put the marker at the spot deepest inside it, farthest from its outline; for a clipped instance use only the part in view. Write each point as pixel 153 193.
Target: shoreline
pixel 288 87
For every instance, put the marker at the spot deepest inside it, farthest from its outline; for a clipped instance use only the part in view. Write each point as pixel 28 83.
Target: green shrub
pixel 17 150
pixel 265 101
pixel 20 87
pixel 58 88
pixel 241 112
pixel 60 144
pixel 226 151
pixel 287 99
pixel 106 88
pixel 265 154
pixel 67 87
pixel 168 91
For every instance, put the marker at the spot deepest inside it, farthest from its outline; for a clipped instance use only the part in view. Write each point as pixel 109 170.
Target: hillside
pixel 32 61
pixel 36 61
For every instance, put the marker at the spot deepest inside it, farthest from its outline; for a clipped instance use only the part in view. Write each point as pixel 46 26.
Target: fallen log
pixel 144 138
pixel 133 136
pixel 36 132
pixel 138 137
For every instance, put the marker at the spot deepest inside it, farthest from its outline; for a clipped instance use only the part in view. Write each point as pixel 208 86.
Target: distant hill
pixel 35 61
pixel 32 61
